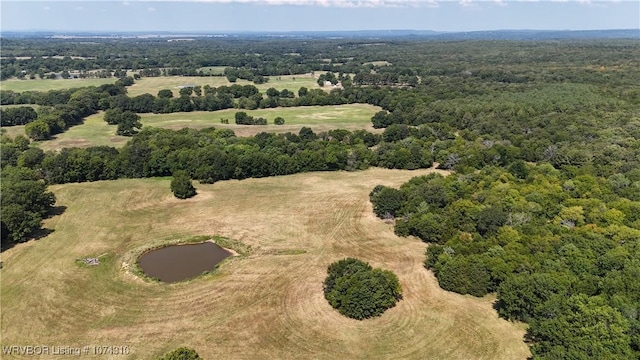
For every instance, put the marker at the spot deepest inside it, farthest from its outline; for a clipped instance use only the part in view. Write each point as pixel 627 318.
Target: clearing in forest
pixel 96 132
pixel 152 85
pixel 268 304
pixel 51 84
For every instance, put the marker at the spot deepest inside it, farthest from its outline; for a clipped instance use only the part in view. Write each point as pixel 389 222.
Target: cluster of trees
pixel 181 353
pixel 561 251
pixel 242 118
pixel 128 122
pixel 59 109
pixel 211 155
pixel 359 291
pixel 25 200
pixel 181 185
pixel 21 115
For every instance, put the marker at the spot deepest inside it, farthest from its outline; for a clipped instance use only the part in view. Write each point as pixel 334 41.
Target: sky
pixel 317 15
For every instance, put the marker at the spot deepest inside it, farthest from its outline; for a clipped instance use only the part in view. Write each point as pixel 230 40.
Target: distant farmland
pixel 152 85
pixel 48 84
pixel 96 132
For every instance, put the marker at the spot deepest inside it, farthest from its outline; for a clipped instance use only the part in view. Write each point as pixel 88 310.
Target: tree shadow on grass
pixel 36 234
pixel 55 211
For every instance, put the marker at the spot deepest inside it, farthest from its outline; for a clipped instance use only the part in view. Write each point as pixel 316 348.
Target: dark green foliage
pixel 387 201
pixel 38 130
pixel 17 116
pixel 465 275
pixel 243 119
pixel 521 295
pixel 580 327
pixel 182 353
pixel 358 291
pixel 127 121
pixel 181 185
pixel 165 94
pixel 540 238
pixel 490 219
pixel 345 267
pixel 278 121
pixel 25 202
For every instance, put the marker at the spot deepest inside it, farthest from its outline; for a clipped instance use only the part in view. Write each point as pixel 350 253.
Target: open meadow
pixel 96 132
pixel 152 85
pixel 49 84
pixel 267 304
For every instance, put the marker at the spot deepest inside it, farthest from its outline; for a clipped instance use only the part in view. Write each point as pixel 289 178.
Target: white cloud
pixel 151 9
pixel 324 3
pixel 46 8
pixel 78 8
pixel 466 3
pixel 499 3
pixel 125 3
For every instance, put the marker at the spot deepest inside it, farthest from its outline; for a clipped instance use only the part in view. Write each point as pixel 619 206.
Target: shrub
pixel 278 121
pixel 181 185
pixel 358 291
pixel 183 353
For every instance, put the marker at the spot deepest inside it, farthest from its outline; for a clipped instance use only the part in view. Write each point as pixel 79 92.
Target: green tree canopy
pixel 181 185
pixel 358 291
pixel 182 353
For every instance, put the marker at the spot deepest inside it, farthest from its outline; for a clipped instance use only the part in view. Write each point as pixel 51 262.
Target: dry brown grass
pixel 268 305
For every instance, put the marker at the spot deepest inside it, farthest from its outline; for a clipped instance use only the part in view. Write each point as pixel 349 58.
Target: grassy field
pixel 152 85
pixel 318 118
pixel 95 132
pixel 47 84
pixel 267 305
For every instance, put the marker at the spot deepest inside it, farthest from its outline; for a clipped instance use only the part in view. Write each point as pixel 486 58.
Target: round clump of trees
pixel 181 185
pixel 359 291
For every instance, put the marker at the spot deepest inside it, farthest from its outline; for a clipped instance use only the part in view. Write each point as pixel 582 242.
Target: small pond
pixel 180 262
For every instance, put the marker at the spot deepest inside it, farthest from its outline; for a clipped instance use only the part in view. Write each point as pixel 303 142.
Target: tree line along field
pixel 48 84
pixel 152 85
pixel 95 132
pixel 531 216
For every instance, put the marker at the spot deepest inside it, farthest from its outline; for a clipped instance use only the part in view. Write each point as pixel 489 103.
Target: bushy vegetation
pixel 358 291
pixel 182 353
pixel 25 202
pixel 181 185
pixel 561 251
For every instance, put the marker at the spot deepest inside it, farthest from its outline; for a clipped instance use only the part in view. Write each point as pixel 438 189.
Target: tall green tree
pixel 181 185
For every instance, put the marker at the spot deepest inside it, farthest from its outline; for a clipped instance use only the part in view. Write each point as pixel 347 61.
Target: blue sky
pixel 317 15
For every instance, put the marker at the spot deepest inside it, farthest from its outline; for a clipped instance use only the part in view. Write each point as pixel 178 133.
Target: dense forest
pixel 543 138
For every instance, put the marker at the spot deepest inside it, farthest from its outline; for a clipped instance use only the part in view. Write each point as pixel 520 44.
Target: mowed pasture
pixel 152 85
pixel 318 118
pixel 96 132
pixel 266 305
pixel 50 84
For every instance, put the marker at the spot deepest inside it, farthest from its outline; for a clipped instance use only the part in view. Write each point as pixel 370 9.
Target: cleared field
pixel 318 118
pixel 47 84
pixel 267 305
pixel 152 85
pixel 95 131
pixel 13 131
